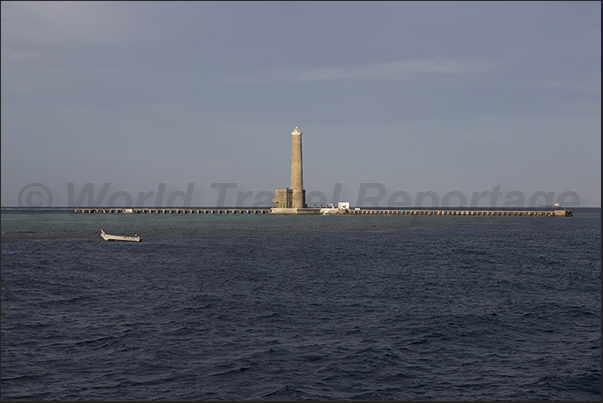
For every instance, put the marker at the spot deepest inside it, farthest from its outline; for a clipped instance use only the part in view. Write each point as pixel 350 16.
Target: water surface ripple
pixel 301 308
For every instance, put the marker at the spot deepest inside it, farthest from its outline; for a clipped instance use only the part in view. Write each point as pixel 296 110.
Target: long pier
pixel 505 213
pixel 434 212
pixel 170 211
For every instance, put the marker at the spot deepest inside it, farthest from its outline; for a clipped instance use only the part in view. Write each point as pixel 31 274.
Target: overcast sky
pixel 415 96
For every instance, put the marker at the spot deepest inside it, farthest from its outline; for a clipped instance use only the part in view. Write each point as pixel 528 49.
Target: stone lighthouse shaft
pixel 297 181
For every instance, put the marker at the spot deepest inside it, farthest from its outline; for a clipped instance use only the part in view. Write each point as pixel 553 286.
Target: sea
pixel 264 307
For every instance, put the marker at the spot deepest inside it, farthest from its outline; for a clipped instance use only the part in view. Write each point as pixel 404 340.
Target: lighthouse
pixel 297 180
pixel 293 200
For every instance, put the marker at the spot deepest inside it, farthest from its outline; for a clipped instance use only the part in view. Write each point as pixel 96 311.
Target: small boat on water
pixel 108 237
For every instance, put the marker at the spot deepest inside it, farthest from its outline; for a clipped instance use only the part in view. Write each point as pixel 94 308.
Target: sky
pixel 401 103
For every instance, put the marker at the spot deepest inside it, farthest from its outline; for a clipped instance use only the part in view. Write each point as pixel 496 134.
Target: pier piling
pixel 435 212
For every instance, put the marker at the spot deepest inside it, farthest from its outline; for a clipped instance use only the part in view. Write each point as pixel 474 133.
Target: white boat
pixel 108 237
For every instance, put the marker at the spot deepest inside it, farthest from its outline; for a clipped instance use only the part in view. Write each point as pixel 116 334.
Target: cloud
pixel 398 70
pixel 41 22
pixel 594 86
pixel 11 54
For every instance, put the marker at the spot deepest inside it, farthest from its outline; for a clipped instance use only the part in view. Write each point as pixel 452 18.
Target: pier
pixel 170 211
pixel 357 211
pixel 491 213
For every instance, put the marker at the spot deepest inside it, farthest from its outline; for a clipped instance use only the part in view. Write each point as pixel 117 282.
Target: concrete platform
pixel 294 211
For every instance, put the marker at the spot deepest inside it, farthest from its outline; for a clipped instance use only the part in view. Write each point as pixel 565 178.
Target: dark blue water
pixel 301 308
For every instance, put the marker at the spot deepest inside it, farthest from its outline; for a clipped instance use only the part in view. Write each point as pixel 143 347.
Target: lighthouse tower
pixel 297 181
